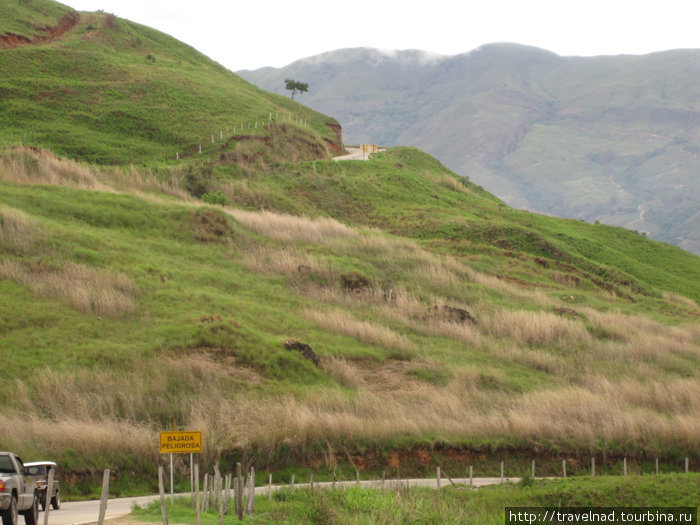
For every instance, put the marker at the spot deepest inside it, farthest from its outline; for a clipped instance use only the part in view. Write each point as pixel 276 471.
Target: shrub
pixel 355 282
pixel 197 182
pixel 215 197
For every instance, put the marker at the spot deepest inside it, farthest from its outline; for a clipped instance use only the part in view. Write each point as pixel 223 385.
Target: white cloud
pixel 270 33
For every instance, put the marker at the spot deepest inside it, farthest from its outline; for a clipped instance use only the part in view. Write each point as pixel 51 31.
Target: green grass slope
pixel 128 304
pixel 115 92
pixel 410 194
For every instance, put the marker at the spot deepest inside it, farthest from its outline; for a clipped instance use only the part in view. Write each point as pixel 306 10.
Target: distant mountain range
pixel 613 139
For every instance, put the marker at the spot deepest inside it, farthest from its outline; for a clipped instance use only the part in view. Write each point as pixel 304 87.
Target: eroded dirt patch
pixel 44 34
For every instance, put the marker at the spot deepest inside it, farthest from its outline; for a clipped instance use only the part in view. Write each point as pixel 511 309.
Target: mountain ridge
pixel 591 138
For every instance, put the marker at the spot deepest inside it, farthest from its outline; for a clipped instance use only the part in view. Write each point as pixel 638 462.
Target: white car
pixel 39 470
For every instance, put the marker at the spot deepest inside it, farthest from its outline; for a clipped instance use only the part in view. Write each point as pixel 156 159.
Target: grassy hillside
pixel 115 92
pixel 609 139
pixel 132 305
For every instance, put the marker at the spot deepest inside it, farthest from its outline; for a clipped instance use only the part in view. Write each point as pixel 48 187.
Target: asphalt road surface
pixel 73 512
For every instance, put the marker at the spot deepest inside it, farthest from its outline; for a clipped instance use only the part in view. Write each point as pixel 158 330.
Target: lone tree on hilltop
pixel 295 86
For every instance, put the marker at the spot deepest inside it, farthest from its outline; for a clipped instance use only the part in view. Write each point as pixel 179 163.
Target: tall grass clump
pixel 292 228
pixel 18 232
pixel 368 332
pixel 90 290
pixel 32 166
pixel 535 328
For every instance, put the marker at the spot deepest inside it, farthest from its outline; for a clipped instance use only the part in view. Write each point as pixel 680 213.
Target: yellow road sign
pixel 177 442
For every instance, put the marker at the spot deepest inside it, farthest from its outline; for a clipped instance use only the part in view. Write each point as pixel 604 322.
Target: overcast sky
pixel 248 34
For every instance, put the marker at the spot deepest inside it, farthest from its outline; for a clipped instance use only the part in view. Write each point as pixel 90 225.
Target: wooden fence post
pixel 269 487
pixel 251 497
pixel 239 492
pixel 656 463
pixel 624 466
pixel 196 493
pixel 502 471
pixel 593 467
pixel 218 493
pixel 471 476
pixel 292 484
pixel 191 476
pixel 205 493
pixel 172 480
pixel 533 468
pixel 227 496
pixel 437 478
pixel 357 477
pixel 161 489
pixel 687 465
pixel 49 493
pixel 563 467
pixel 103 499
pixel 311 481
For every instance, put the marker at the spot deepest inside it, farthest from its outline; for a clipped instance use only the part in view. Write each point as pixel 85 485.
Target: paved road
pixel 82 512
pixel 74 512
pixel 354 154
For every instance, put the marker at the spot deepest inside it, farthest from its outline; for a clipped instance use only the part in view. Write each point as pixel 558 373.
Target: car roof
pixel 40 463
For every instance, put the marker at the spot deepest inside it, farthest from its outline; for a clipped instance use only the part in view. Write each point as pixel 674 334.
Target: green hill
pixel 610 139
pixel 445 323
pixel 115 92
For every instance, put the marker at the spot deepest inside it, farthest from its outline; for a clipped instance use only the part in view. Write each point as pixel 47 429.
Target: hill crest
pixel 135 95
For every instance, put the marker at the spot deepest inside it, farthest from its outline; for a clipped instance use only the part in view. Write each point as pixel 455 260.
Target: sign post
pixel 177 442
pixel 174 442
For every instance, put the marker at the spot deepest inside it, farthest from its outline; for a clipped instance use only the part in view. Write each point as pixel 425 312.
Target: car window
pixel 6 465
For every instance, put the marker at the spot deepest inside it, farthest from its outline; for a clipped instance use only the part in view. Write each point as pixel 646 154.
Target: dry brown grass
pixel 244 194
pixel 464 332
pixel 368 332
pixel 675 298
pixel 537 359
pixel 611 415
pixel 269 260
pixel 618 326
pixel 84 436
pixel 18 232
pixel 293 228
pixel 87 289
pixel 93 411
pixel 572 413
pixel 536 328
pixel 524 293
pixel 31 166
pixel 344 372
